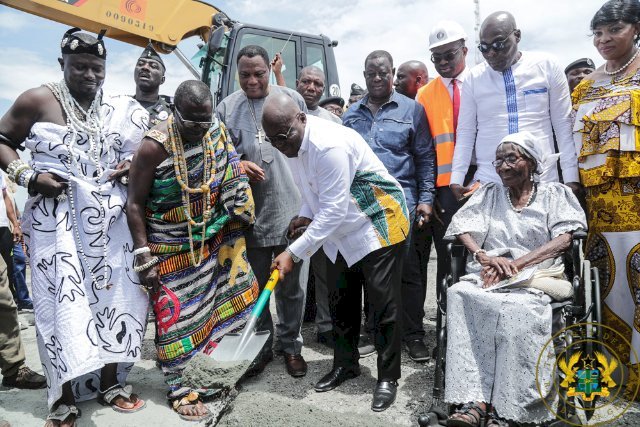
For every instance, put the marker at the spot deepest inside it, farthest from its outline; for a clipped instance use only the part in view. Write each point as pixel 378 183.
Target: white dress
pixel 80 328
pixel 494 339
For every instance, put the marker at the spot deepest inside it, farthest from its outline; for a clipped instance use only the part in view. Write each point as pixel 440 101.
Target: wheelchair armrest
pixel 579 235
pixel 450 239
pixel 577 238
pixel 457 257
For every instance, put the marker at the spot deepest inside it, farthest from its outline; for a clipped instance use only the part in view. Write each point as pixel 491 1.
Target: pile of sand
pixel 204 372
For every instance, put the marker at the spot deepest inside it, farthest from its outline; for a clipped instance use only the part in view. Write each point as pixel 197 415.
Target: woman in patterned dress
pixel 607 136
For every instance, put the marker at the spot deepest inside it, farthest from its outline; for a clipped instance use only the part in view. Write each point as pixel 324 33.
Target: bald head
pixel 278 109
pixel 499 38
pixel 284 123
pixel 499 19
pixel 410 77
pixel 310 85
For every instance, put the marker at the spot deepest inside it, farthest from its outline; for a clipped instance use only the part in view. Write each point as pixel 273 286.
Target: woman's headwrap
pixel 527 141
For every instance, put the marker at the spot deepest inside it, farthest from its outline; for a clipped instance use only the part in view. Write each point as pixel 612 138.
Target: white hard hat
pixel 446 32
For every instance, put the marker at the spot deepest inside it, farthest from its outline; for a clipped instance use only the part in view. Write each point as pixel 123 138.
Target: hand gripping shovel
pixel 247 345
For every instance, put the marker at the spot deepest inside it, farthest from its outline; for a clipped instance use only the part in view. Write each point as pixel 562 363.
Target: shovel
pixel 247 345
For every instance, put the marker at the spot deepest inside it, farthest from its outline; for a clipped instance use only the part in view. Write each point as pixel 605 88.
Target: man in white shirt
pixel 357 213
pixel 512 91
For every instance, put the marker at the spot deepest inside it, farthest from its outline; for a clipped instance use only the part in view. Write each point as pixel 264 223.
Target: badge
pixel 163 115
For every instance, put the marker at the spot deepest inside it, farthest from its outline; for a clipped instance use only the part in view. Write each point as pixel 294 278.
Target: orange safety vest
pixel 436 101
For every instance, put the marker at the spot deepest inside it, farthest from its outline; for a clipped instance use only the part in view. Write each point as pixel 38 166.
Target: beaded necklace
pixel 182 176
pixel 533 192
pixel 91 124
pixel 624 67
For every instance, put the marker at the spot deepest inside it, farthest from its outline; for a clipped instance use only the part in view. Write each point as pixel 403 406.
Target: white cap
pixel 446 32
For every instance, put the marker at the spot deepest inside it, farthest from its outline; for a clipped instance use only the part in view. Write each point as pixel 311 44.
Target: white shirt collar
pixel 460 77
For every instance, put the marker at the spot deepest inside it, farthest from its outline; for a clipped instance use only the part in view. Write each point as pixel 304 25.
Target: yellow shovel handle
pixel 273 280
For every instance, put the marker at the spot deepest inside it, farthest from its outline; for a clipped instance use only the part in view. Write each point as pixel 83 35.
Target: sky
pixel 30 45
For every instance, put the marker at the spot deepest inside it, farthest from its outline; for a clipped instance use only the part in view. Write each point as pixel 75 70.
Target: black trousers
pixel 414 282
pixel 382 274
pixel 446 205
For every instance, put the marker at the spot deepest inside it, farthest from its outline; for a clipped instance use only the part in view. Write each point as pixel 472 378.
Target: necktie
pixel 456 102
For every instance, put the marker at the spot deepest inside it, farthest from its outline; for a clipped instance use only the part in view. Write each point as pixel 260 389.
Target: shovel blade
pixel 234 348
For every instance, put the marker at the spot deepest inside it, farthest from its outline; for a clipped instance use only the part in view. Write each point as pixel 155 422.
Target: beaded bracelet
pixel 12 167
pixel 146 266
pixel 142 250
pixel 478 252
pixel 22 168
pixel 23 178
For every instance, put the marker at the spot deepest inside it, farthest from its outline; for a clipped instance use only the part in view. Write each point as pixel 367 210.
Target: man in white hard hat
pixel 441 101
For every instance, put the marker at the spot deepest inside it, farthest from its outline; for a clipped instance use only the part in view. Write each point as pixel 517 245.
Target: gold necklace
pixel 182 176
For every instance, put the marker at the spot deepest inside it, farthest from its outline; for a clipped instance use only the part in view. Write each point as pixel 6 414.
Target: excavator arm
pixel 165 22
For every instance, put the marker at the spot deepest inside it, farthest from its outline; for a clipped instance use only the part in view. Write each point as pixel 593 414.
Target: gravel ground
pixel 271 399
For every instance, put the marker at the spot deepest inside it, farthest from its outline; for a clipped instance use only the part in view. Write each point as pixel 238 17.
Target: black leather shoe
pixel 384 395
pixel 336 377
pixel 417 350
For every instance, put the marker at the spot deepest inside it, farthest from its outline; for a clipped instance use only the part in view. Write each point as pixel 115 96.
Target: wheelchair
pixel 583 307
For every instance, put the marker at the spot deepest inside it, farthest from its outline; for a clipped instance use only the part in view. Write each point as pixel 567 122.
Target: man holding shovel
pixel 356 213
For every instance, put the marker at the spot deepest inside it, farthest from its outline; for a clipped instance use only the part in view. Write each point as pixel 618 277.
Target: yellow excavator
pixel 166 23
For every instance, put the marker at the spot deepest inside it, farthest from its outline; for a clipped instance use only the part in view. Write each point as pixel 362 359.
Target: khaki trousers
pixel 11 350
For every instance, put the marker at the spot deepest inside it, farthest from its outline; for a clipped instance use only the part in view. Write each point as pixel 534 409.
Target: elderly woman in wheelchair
pixel 499 314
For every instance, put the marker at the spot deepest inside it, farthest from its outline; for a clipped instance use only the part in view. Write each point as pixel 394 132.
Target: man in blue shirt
pixel 396 129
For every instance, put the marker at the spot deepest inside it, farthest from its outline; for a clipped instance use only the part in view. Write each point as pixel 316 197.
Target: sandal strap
pixel 467 409
pixel 189 399
pixel 62 412
pixel 117 390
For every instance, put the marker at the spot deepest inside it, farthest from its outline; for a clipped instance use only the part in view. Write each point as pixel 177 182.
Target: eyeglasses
pixel 193 124
pixel 497 45
pixel 510 160
pixel 447 56
pixel 278 140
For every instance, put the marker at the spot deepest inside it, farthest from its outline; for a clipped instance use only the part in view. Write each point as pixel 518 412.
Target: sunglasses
pixel 510 160
pixel 497 45
pixel 193 124
pixel 279 139
pixel 447 56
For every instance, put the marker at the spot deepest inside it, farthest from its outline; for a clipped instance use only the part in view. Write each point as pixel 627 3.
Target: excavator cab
pixel 167 23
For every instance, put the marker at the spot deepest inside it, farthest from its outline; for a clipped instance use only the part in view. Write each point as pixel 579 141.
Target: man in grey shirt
pixel 310 85
pixel 277 201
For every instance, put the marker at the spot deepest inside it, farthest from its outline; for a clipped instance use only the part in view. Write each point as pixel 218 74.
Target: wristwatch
pixel 293 256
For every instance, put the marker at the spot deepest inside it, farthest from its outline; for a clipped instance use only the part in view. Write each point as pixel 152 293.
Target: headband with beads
pixel 73 44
